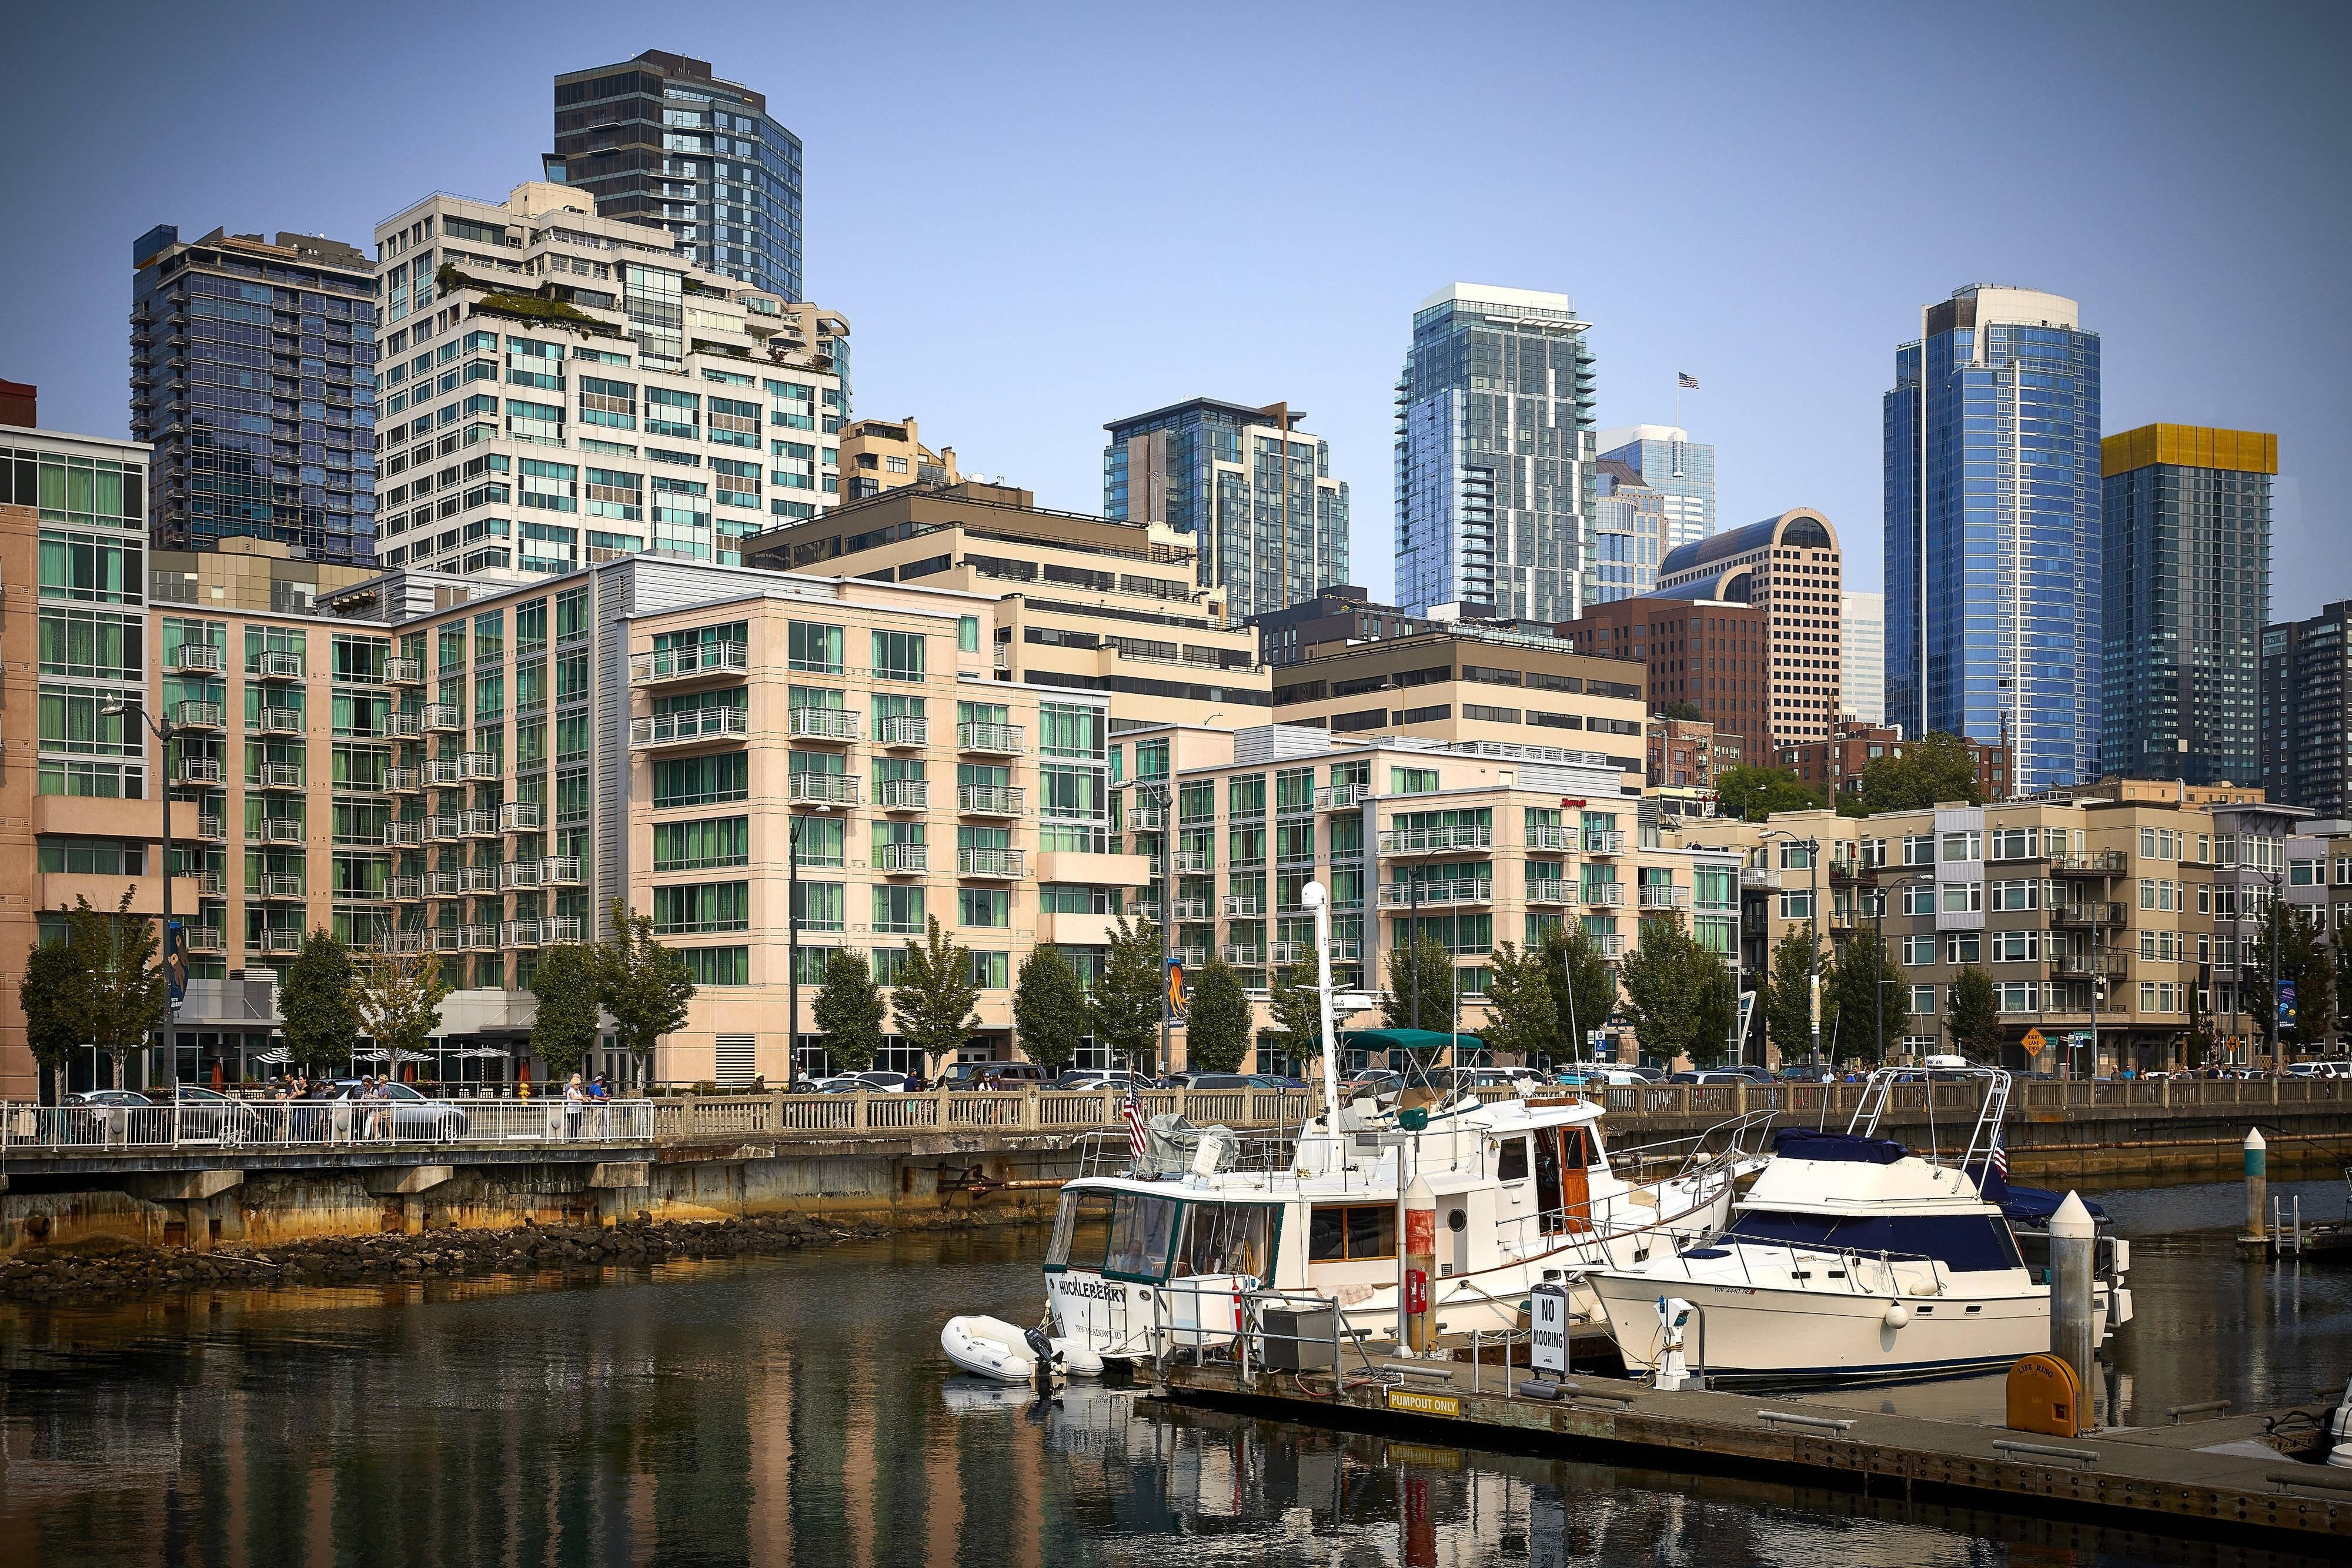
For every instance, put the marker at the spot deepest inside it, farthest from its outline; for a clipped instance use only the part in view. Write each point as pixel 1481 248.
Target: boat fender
pixel 1897 1314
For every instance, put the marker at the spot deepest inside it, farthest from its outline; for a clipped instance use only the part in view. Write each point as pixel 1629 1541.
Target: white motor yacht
pixel 1852 1258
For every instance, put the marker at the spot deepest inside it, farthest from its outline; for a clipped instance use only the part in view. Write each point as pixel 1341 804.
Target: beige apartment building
pixel 878 455
pixel 1083 604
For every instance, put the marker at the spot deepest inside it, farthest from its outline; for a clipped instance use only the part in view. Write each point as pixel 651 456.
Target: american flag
pixel 2000 1157
pixel 1133 1111
pixel 1684 378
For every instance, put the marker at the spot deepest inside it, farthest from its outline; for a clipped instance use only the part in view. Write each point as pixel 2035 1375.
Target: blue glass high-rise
pixel 1992 545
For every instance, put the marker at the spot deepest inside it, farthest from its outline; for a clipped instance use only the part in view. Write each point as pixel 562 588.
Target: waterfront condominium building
pixel 1087 604
pixel 1494 455
pixel 1681 470
pixel 1253 488
pixel 561 388
pixel 2186 562
pixel 1790 566
pixel 253 377
pixel 2306 711
pixel 1993 539
pixel 660 139
pixel 1864 695
pixel 1629 529
pixel 1716 653
pixel 1471 843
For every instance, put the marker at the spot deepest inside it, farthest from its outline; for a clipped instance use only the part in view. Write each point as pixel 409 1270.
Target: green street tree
pixel 1715 990
pixel 54 994
pixel 1298 1011
pixel 126 991
pixel 932 1000
pixel 1866 992
pixel 1127 996
pixel 1973 1017
pixel 1752 793
pixel 1217 1020
pixel 1424 961
pixel 398 998
pixel 1788 996
pixel 1938 768
pixel 322 1021
pixel 2203 1039
pixel 1522 1018
pixel 2301 958
pixel 1583 988
pixel 563 1028
pixel 644 985
pixel 849 1011
pixel 1049 1009
pixel 1658 998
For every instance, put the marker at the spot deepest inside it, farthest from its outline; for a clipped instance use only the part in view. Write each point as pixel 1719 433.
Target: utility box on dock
pixel 1297 1341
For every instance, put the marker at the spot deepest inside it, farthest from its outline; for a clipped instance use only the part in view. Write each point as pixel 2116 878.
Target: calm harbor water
pixel 796 1410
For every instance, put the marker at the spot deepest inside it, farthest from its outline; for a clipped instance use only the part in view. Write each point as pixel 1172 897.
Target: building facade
pixel 253 378
pixel 1629 533
pixel 1994 601
pixel 660 141
pixel 1862 696
pixel 1681 470
pixel 1792 567
pixel 1837 764
pixel 1494 455
pixel 560 389
pixel 1340 614
pixel 1252 487
pixel 1687 753
pixel 2186 563
pixel 2306 711
pixel 878 455
pixel 1717 654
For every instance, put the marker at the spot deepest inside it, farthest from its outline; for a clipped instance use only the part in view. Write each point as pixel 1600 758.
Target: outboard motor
pixel 1042 1348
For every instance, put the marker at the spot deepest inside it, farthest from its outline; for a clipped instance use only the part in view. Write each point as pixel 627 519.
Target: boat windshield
pixel 1964 1243
pixel 1081 1231
pixel 1142 1229
pixel 1227 1238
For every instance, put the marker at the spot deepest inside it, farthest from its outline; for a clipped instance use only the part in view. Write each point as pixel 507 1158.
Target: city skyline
pixel 1795 418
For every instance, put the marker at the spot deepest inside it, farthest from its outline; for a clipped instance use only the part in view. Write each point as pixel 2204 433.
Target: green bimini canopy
pixel 1416 1041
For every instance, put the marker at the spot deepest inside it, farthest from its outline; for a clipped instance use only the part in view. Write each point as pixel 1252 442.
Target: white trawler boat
pixel 1852 1258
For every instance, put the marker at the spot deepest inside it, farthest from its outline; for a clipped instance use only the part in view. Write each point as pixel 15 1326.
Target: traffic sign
pixel 2034 1041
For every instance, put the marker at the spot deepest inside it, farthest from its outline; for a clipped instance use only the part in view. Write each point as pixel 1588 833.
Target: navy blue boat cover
pixel 1805 1144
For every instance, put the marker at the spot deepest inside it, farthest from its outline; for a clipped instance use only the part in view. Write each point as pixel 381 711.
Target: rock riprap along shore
pixel 95 1270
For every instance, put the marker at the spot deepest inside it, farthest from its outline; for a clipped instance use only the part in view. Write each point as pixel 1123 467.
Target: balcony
pixel 479 765
pixel 2094 863
pixel 1190 957
pixel 1665 895
pixel 279 666
pixel 903 729
pixel 481 937
pixel 446 938
pixel 281 776
pixel 1550 838
pixel 990 799
pixel 204 939
pixel 519 933
pixel 1190 908
pixel 1196 860
pixel 2113 963
pixel 1608 946
pixel 403 888
pixel 199 659
pixel 903 860
pixel 279 942
pixel 1604 842
pixel 990 739
pixel 279 721
pixel 1552 890
pixel 695 726
pixel 1148 815
pixel 200 771
pixel 822 789
pixel 443 828
pixel 560 929
pixel 445 884
pixel 442 773
pixel 280 886
pixel 519 873
pixel 558 870
pixel 445 718
pixel 1002 865
pixel 398 672
pixel 1341 797
pixel 212 884
pixel 695 661
pixel 521 817
pixel 1762 877
pixel 193 714
pixel 477 825
pixel 1249 955
pixel 278 831
pixel 1604 894
pixel 1242 905
pixel 210 826
pixel 906 795
pixel 1294 951
pixel 837 725
pixel 402 835
pixel 2091 913
pixel 1417 841
pixel 1844 870
pixel 1450 894
pixel 403 725
pixel 481 881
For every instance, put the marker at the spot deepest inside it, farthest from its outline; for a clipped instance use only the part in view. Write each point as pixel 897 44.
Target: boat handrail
pixel 1992 1106
pixel 1739 1247
pixel 1598 1232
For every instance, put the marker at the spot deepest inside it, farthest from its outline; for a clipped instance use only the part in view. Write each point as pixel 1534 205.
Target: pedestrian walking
pixel 575 1102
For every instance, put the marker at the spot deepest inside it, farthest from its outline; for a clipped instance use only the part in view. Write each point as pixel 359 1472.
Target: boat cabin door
pixel 1563 1187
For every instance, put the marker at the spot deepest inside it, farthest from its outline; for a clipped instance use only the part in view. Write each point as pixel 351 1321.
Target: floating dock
pixel 2217 1479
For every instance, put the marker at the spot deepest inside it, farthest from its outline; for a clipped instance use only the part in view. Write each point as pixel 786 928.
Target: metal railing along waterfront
pixel 287 1123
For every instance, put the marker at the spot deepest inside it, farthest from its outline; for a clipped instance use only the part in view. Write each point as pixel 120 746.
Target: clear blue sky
pixel 1037 221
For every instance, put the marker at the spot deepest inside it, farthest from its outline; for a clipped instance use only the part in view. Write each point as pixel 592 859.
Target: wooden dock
pixel 2218 1479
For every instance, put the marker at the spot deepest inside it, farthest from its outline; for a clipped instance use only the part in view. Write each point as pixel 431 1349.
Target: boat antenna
pixel 1313 896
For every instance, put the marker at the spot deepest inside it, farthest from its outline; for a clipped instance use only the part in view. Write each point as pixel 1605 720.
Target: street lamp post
pixel 1813 848
pixel 164 733
pixel 1165 796
pixel 793 941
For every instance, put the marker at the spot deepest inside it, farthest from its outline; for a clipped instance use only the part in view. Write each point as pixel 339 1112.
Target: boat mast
pixel 1313 896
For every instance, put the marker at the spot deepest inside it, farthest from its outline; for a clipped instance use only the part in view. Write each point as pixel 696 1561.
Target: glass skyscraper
pixel 2187 516
pixel 253 374
pixel 1682 471
pixel 1256 489
pixel 1992 463
pixel 660 139
pixel 1494 455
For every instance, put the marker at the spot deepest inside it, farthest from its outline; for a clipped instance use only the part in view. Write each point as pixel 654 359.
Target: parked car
pixel 1094 1079
pixel 993 1075
pixel 1276 1081
pixel 207 1114
pixel 1608 1072
pixel 412 1116
pixel 850 1082
pixel 126 1098
pixel 1216 1080
pixel 1705 1076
